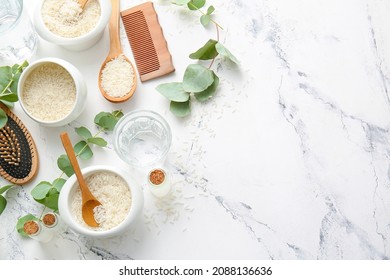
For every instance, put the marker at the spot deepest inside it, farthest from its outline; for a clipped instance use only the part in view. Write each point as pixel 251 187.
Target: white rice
pixel 114 194
pixel 66 18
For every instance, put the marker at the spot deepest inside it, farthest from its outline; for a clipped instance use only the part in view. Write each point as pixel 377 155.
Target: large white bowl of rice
pixel 120 195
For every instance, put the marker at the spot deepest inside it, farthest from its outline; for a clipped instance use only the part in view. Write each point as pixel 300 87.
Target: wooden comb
pixel 18 154
pixel 147 41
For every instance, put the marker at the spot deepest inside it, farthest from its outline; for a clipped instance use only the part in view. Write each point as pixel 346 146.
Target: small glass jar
pixel 36 230
pixel 50 220
pixel 159 183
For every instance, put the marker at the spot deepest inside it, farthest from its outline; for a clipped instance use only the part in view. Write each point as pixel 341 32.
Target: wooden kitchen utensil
pixel 89 202
pixel 115 51
pixel 147 41
pixel 82 3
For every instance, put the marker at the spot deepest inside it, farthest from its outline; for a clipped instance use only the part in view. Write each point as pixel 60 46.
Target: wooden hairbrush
pixel 147 41
pixel 18 154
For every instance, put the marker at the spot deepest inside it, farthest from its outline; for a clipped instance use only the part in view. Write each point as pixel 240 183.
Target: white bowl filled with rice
pixel 65 23
pixel 120 195
pixel 52 92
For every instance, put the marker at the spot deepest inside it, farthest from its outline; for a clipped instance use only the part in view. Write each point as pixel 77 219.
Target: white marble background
pixel 289 161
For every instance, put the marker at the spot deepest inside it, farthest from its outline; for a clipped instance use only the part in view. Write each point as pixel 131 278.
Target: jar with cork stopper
pixel 159 183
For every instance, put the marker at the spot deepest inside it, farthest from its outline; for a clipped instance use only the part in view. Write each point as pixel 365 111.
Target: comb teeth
pixel 147 41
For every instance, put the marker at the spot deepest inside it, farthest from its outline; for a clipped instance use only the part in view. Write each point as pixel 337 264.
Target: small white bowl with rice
pixel 120 195
pixel 64 23
pixel 52 92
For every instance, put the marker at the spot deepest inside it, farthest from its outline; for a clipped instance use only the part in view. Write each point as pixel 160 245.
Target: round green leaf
pixel 5 188
pixel 14 85
pixel 180 2
pixel 117 114
pixel 206 52
pixel 196 4
pixel 180 109
pixel 41 190
pixel 10 97
pixel 83 150
pixel 64 165
pixel 97 141
pixel 197 78
pixel 205 20
pixel 58 184
pixel 3 204
pixel 22 221
pixel 225 52
pixel 83 132
pixel 174 92
pixel 3 118
pixel 209 92
pixel 210 10
pixel 99 116
pixel 5 75
pixel 52 201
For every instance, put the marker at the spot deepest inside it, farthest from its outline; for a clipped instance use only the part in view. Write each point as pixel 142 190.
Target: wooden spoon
pixel 89 202
pixel 115 51
pixel 82 3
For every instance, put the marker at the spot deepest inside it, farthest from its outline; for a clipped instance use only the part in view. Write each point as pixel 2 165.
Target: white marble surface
pixel 289 161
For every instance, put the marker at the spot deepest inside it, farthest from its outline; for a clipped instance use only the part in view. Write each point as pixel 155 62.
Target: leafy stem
pixel 203 13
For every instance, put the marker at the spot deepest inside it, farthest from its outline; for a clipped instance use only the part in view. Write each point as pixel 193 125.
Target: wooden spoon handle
pixel 73 161
pixel 113 26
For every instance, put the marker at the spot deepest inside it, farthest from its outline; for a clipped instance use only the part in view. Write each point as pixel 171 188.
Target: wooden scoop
pixel 89 202
pixel 82 3
pixel 115 51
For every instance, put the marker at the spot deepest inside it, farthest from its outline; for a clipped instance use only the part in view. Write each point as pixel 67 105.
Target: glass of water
pixel 142 138
pixel 18 40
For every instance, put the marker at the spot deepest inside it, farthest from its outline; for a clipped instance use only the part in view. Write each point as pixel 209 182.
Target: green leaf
pixel 52 201
pixel 83 132
pixel 180 2
pixel 206 52
pixel 41 190
pixel 173 91
pixel 99 116
pixel 97 141
pixel 197 78
pixel 108 122
pixel 5 75
pixel 3 204
pixel 117 114
pixel 58 184
pixel 210 10
pixel 22 221
pixel 5 188
pixel 83 150
pixel 225 53
pixel 209 92
pixel 180 109
pixel 205 20
pixel 64 165
pixel 10 97
pixel 3 118
pixel 196 4
pixel 14 85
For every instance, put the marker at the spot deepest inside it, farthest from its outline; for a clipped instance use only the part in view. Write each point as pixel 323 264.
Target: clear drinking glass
pixel 18 40
pixel 142 138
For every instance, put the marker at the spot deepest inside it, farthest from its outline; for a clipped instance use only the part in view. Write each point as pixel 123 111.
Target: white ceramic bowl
pixel 81 90
pixel 78 43
pixel 71 185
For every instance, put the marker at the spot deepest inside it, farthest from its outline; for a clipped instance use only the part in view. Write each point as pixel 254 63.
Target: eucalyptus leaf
pixel 3 204
pixel 3 118
pixel 10 97
pixel 205 20
pixel 173 91
pixel 210 10
pixel 5 75
pixel 41 190
pixel 52 201
pixel 14 85
pixel 58 184
pixel 117 114
pixel 196 4
pixel 83 150
pixel 5 188
pixel 197 78
pixel 64 165
pixel 22 221
pixel 97 141
pixel 99 116
pixel 180 109
pixel 206 52
pixel 209 92
pixel 180 2
pixel 108 122
pixel 83 132
pixel 225 53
